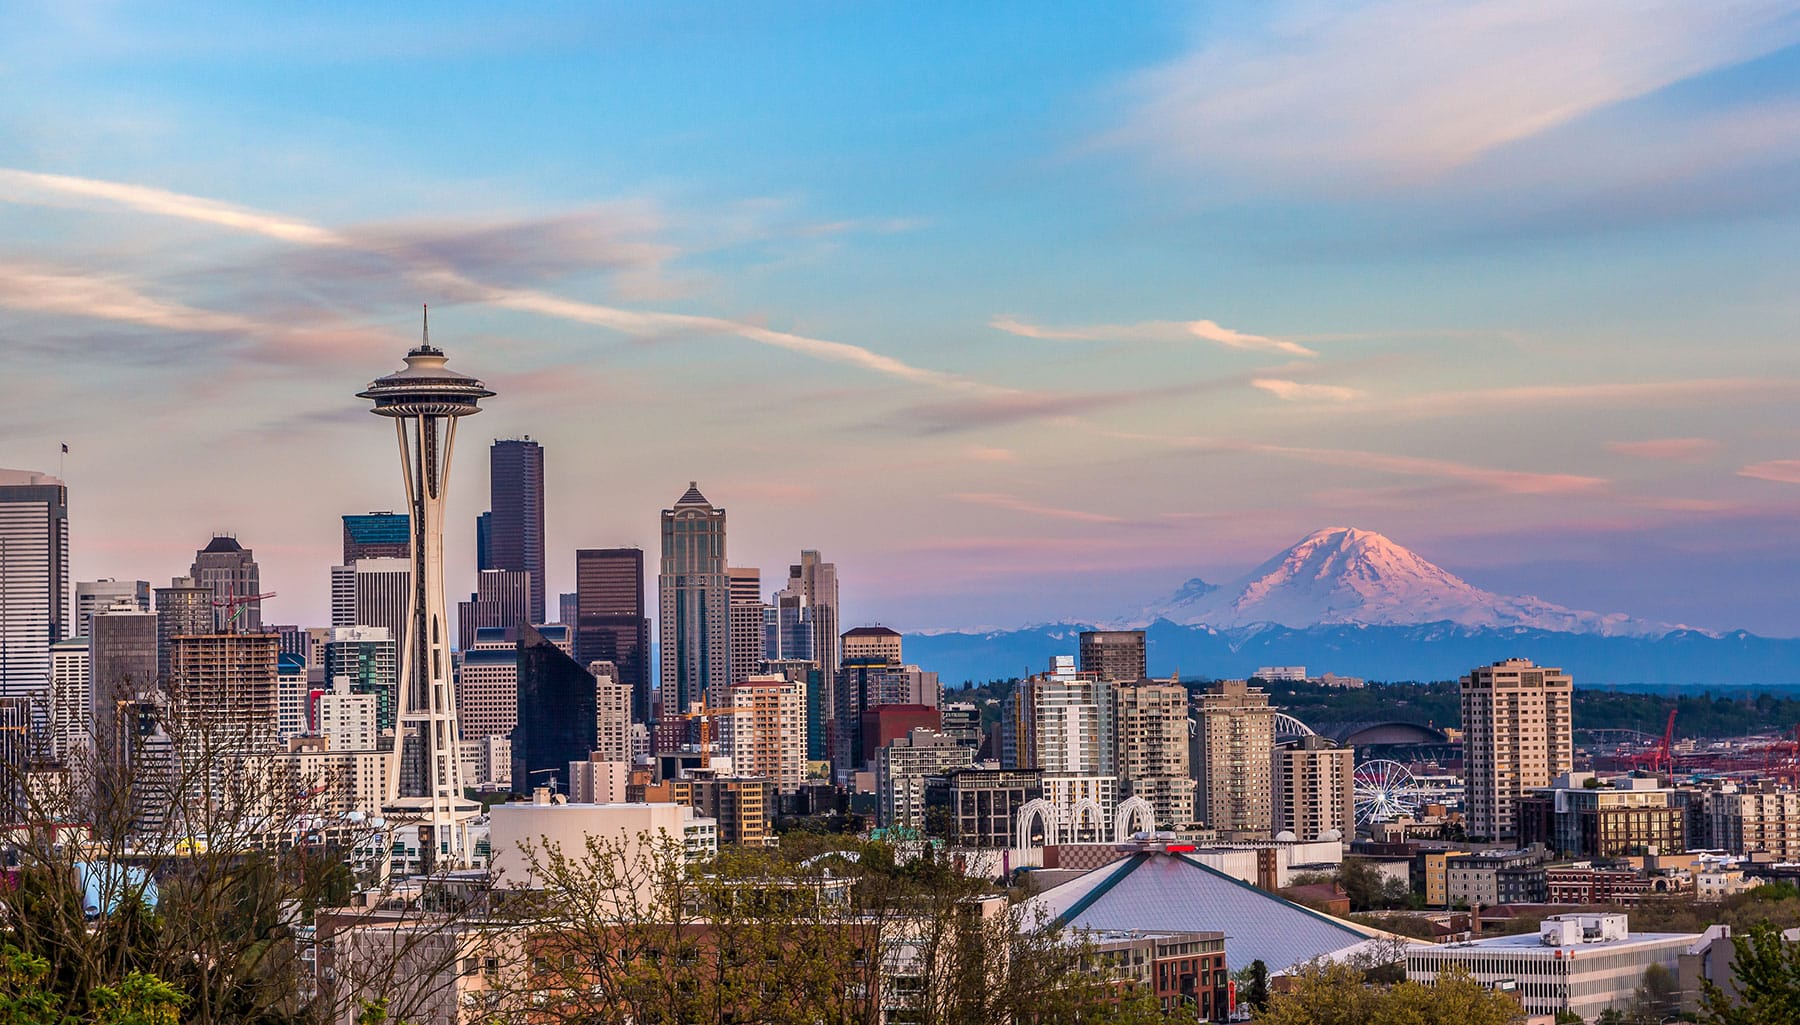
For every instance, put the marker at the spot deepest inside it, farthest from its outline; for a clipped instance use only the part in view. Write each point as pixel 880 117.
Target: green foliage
pixel 1370 889
pixel 1706 714
pixel 28 996
pixel 1337 994
pixel 1766 972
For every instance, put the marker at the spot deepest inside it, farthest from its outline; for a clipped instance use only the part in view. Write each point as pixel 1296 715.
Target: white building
pixel 71 695
pixel 487 685
pixel 1580 963
pixel 545 822
pixel 347 720
pixel 35 604
pixel 291 693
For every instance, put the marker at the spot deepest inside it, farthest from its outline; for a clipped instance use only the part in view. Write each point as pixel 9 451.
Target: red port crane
pixel 1662 757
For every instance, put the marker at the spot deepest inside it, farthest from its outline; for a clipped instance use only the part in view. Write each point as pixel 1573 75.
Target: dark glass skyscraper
pixel 557 718
pixel 515 533
pixel 610 624
pixel 694 610
pixel 377 535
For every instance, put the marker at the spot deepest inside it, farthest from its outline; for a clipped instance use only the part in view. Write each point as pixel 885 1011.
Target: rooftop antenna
pixel 425 325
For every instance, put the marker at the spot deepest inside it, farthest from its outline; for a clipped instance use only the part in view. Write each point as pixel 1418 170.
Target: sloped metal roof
pixel 1161 892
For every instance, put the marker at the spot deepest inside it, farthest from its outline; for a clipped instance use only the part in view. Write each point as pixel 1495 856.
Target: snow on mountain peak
pixel 1345 575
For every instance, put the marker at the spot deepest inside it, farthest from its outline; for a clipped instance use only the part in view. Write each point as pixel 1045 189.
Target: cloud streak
pixel 1161 331
pixel 1674 450
pixel 1294 391
pixel 46 189
pixel 1513 482
pixel 1019 505
pixel 1400 91
pixel 1780 471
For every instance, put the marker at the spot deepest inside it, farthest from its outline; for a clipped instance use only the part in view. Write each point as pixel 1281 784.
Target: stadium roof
pixel 1167 892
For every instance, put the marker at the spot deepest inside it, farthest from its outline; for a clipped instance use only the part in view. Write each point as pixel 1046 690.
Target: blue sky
pixel 1017 311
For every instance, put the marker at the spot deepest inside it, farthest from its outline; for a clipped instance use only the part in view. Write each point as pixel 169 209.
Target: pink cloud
pixel 1294 391
pixel 1680 450
pixel 1781 471
pixel 1019 505
pixel 1150 331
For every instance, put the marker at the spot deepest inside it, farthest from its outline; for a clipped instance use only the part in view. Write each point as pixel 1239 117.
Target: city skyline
pixel 1106 311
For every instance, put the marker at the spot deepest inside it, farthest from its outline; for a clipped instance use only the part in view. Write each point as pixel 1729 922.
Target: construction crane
pixel 234 605
pixel 551 782
pixel 1786 768
pixel 1661 757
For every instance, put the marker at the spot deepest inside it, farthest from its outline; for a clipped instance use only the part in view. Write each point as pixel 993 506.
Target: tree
pixel 1337 994
pixel 1765 973
pixel 1256 985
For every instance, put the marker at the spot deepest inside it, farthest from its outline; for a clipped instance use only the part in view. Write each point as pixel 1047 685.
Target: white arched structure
pixel 1134 815
pixel 1044 812
pixel 1087 822
pixel 1288 726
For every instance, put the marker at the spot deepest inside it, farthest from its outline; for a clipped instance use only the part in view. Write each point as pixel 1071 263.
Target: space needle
pixel 424 784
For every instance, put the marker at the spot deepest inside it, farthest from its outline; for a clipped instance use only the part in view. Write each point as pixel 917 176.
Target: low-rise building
pixel 546 822
pixel 1581 816
pixel 1182 969
pixel 1497 877
pixel 1578 964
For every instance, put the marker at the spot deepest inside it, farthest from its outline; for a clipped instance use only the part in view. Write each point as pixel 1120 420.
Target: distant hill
pixel 1427 651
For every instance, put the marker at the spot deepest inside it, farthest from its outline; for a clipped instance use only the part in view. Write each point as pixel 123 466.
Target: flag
pixel 65 448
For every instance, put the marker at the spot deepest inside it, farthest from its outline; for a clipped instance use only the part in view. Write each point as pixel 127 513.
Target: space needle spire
pixel 425 784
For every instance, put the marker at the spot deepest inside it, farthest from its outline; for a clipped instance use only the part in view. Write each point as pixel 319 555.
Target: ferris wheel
pixel 1385 790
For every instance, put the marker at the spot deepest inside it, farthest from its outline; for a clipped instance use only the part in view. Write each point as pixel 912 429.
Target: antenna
pixel 425 317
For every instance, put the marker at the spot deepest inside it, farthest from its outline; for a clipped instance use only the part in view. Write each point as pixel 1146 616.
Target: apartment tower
pixel 1117 655
pixel 1234 748
pixel 1517 734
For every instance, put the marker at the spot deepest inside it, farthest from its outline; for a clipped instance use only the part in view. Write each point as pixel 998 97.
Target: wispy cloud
pixel 1294 391
pixel 1398 91
pixel 990 454
pixel 1019 505
pixel 434 270
pixel 1164 331
pixel 1698 390
pixel 1677 450
pixel 1516 482
pixel 1781 471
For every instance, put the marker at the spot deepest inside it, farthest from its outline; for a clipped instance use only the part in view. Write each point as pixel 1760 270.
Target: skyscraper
pixel 183 607
pixel 1234 748
pixel 502 598
pixel 558 711
pixel 610 624
pixel 368 657
pixel 373 592
pixel 224 691
pixel 1116 655
pixel 768 729
pixel 1315 788
pixel 34 577
pixel 94 595
pixel 1150 728
pixel 816 580
pixel 71 695
pixel 747 615
pixel 1517 734
pixel 516 532
pixel 694 623
pixel 376 535
pixel 230 570
pixel 487 687
pixel 788 628
pixel 121 659
pixel 426 399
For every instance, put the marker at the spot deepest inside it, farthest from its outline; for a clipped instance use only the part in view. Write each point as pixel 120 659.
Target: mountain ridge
pixel 1344 576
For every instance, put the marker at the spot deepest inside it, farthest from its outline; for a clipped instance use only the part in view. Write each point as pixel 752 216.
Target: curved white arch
pixel 1044 812
pixel 1133 811
pixel 1087 822
pixel 1288 726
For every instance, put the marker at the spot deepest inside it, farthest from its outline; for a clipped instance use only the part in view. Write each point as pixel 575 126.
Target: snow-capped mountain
pixel 1346 576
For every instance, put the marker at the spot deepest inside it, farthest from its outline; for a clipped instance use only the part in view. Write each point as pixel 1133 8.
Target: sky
pixel 1018 312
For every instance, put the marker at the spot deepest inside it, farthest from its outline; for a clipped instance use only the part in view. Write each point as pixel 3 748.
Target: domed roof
pixel 1286 836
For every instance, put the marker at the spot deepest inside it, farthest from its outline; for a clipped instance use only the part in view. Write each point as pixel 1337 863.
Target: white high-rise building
pixel 347 719
pixel 35 598
pixel 487 685
pixel 612 715
pixel 1518 733
pixel 93 595
pixel 373 592
pixel 71 696
pixel 290 698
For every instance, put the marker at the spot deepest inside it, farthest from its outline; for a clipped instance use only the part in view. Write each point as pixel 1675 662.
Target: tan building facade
pixel 1517 734
pixel 1150 728
pixel 1233 758
pixel 768 730
pixel 1315 789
